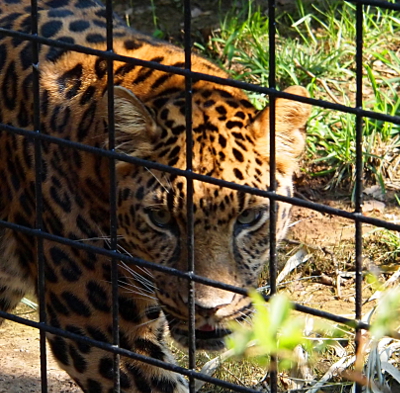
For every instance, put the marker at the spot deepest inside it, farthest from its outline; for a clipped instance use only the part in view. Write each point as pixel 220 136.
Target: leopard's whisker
pixel 136 292
pixel 106 238
pixel 145 323
pixel 145 271
pixel 127 285
pixel 135 276
pixel 158 180
pixel 126 252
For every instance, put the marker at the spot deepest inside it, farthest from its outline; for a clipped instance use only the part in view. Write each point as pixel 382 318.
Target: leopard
pixel 230 142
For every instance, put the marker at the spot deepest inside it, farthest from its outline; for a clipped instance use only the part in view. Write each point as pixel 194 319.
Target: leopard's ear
pixel 135 128
pixel 290 121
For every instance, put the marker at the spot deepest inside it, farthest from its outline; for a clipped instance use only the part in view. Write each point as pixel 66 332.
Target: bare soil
pixel 20 360
pixel 165 18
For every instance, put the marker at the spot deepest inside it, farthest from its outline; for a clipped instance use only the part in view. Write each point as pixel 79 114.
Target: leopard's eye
pixel 249 217
pixel 160 217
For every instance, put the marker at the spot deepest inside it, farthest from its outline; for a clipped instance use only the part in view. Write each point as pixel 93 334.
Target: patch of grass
pixel 316 48
pixel 243 373
pixel 384 245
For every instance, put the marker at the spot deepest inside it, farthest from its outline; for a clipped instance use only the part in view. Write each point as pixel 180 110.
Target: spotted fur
pixel 230 228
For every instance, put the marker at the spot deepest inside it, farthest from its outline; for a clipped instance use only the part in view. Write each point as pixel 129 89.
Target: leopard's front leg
pixel 142 331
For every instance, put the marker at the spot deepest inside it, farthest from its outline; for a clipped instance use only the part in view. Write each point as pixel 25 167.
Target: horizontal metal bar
pixel 125 352
pixel 206 77
pixel 378 3
pixel 169 270
pixel 203 178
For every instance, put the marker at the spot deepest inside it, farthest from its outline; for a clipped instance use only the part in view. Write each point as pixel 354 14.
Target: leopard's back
pixel 81 22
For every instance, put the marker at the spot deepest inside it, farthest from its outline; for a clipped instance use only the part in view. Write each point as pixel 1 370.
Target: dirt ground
pixel 20 360
pixel 155 16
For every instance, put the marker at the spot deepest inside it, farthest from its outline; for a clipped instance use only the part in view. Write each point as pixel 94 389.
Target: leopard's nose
pixel 210 301
pixel 211 306
pixel 208 312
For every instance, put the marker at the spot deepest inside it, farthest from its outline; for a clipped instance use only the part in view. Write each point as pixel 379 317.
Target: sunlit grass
pixel 316 48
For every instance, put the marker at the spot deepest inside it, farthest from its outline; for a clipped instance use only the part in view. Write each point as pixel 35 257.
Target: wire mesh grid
pixel 190 275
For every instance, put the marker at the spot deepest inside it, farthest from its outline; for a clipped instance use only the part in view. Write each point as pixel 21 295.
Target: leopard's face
pixel 231 228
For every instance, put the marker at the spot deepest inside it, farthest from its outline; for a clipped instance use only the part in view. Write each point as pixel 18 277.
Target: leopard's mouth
pixel 209 340
pixel 207 337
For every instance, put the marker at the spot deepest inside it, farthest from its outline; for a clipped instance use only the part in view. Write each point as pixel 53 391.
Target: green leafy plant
pixel 273 331
pixel 387 315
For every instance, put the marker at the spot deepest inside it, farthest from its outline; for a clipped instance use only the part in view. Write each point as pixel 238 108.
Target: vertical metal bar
pixel 189 191
pixel 272 147
pixel 38 195
pixel 113 196
pixel 272 178
pixel 359 174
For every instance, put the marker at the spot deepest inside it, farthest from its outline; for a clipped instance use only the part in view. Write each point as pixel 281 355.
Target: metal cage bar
pixel 113 196
pixel 359 177
pixel 190 241
pixel 273 263
pixel 38 196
